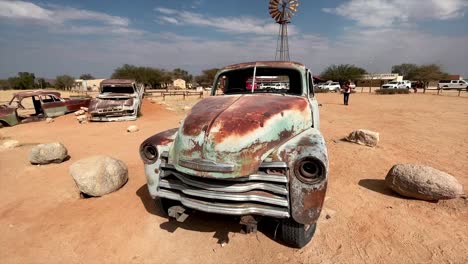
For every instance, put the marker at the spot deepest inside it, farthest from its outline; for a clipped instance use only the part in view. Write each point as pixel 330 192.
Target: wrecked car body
pixel 252 151
pixel 118 100
pixel 43 104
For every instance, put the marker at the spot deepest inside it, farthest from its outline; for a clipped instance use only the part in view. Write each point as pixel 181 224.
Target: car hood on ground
pixel 238 131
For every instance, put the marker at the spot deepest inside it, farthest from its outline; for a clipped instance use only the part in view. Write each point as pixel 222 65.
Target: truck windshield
pixel 118 89
pixel 267 80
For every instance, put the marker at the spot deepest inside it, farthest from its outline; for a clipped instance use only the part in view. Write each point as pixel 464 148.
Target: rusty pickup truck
pixel 37 105
pixel 247 152
pixel 118 100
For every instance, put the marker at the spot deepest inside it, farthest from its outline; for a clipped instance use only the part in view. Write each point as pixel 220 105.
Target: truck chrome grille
pixel 260 194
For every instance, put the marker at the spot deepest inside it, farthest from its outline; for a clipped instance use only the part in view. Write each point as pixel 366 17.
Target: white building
pixel 179 83
pixel 87 85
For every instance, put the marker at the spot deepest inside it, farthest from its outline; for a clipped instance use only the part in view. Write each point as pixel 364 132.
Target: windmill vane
pixel 282 12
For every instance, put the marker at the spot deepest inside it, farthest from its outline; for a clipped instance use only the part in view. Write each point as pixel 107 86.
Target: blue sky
pixel 53 37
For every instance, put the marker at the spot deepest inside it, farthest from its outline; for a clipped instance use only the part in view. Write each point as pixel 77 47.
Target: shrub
pixel 392 91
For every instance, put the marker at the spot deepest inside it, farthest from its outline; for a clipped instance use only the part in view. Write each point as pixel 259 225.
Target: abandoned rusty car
pixel 118 100
pixel 248 150
pixel 43 104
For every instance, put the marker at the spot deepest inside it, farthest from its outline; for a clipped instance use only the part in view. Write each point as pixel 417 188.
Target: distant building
pixel 87 85
pixel 378 79
pixel 179 83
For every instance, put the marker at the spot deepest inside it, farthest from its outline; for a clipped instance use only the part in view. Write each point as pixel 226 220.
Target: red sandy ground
pixel 42 219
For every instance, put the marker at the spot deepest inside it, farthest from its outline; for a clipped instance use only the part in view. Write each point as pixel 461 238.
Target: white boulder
pixel 99 175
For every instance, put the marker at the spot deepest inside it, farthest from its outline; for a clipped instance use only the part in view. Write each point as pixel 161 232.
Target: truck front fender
pixel 306 198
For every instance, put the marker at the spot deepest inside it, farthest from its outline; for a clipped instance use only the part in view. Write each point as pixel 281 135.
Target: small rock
pixel 423 182
pixel 327 216
pixel 82 118
pixel 170 109
pixel 186 108
pixel 48 153
pixel 84 108
pixel 132 129
pixel 99 175
pixel 80 112
pixel 49 120
pixel 223 244
pixel 364 137
pixel 10 144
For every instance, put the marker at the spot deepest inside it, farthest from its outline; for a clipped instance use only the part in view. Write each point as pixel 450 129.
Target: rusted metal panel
pixel 162 139
pixel 21 95
pixel 239 130
pixel 306 199
pixel 117 82
pixel 8 115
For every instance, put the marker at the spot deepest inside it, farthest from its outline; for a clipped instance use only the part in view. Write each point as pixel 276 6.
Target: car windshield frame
pixel 239 81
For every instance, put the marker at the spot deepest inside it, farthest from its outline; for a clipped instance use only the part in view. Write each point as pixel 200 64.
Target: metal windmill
pixel 282 11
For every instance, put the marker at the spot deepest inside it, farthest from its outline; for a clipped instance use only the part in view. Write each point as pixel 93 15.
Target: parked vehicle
pixel 332 86
pixel 397 85
pixel 453 84
pixel 41 104
pixel 119 100
pixel 246 154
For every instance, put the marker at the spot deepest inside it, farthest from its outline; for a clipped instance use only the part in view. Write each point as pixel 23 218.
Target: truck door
pixel 52 106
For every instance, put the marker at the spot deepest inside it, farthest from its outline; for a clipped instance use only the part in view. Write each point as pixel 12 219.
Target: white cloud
pixel 379 13
pixel 24 10
pixel 70 14
pixel 170 20
pixel 60 19
pixel 239 25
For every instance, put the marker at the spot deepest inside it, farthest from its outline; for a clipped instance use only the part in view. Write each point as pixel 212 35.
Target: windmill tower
pixel 282 12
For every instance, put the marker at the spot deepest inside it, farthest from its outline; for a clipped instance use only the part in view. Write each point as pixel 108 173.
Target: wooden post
pixel 459 91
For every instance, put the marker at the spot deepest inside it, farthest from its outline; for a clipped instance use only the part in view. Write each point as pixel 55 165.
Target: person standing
pixel 346 92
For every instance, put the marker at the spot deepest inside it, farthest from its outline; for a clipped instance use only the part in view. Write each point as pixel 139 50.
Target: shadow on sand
pixel 198 221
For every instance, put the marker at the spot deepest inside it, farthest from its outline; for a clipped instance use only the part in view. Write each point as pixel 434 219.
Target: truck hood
pixel 229 136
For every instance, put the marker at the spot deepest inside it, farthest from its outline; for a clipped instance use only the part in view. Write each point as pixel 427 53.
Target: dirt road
pixel 42 219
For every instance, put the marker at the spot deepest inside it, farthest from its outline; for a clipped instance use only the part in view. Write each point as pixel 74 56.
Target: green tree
pixel 5 85
pixel 64 82
pixel 407 70
pixel 145 75
pixel 343 72
pixel 41 83
pixel 429 72
pixel 24 80
pixel 182 74
pixel 206 79
pixel 87 76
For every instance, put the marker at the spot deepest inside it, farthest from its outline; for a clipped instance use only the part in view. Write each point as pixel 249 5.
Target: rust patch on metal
pixel 203 113
pixel 252 112
pixel 163 138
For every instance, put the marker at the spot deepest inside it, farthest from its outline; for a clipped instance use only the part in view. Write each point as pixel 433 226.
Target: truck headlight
pixel 149 153
pixel 310 170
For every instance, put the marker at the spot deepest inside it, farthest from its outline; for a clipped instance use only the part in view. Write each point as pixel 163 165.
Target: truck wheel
pixel 295 234
pixel 165 204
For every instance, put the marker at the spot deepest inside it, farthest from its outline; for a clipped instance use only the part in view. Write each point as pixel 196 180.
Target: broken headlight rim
pixel 149 153
pixel 310 170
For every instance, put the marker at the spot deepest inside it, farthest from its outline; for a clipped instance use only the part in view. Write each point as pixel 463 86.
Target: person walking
pixel 346 92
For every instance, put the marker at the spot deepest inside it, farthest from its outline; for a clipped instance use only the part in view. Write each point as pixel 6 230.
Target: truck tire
pixel 295 234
